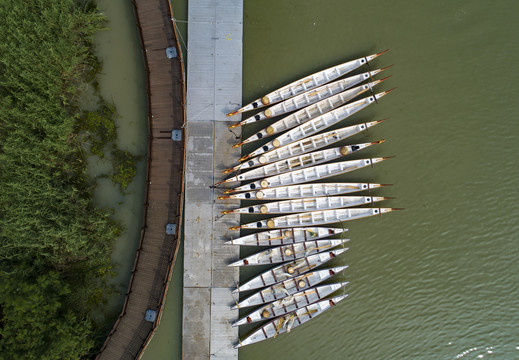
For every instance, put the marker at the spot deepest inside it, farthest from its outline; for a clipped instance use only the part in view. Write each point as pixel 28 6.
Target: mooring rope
pixel 179 33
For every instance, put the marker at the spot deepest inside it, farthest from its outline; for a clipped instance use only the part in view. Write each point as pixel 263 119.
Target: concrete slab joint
pixel 213 89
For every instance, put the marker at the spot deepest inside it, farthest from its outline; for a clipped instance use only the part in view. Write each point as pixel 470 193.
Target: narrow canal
pixel 440 279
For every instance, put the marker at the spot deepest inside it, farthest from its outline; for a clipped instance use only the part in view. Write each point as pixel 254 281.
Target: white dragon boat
pixel 285 323
pixel 342 89
pixel 289 270
pixel 307 83
pixel 308 174
pixel 304 146
pixel 298 162
pixel 306 114
pixel 314 218
pixel 285 236
pixel 289 252
pixel 317 124
pixel 289 287
pixel 290 303
pixel 307 204
pixel 303 191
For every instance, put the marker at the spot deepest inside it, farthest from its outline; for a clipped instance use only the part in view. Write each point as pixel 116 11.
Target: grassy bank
pixel 55 244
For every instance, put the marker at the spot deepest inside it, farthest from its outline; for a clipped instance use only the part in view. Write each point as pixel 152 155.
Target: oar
pixel 309 267
pixel 303 277
pixel 312 249
pixel 300 217
pixel 290 323
pixel 284 301
pixel 270 239
pixel 309 312
pixel 295 252
pixel 233 210
pixel 301 270
pixel 308 292
pixel 291 297
pixel 281 323
pixel 282 286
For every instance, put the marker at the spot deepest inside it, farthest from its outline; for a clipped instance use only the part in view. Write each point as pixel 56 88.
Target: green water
pixel 440 279
pixel 167 341
pixel 122 82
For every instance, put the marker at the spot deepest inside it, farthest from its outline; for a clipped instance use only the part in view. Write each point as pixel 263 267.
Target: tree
pixel 36 324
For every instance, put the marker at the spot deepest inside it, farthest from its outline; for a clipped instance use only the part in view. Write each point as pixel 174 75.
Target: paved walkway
pixel 214 88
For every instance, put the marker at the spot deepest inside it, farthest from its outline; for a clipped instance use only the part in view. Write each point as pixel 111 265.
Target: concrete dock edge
pixel 214 88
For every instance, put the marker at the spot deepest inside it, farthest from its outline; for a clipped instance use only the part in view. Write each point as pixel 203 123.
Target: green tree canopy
pixel 39 325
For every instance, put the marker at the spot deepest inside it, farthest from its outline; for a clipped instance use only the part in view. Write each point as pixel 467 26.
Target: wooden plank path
pixel 164 185
pixel 213 89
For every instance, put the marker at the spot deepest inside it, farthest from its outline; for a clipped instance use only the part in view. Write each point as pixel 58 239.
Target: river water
pixel 438 280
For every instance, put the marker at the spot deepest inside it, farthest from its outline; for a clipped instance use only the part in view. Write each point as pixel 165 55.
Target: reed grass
pixel 55 244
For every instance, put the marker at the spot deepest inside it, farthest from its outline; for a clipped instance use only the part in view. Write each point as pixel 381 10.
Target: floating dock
pixel 214 88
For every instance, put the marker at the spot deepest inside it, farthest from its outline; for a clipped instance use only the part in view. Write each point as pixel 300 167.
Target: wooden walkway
pixel 164 187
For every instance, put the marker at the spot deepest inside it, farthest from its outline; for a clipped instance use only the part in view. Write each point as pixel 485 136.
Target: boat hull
pixel 308 105
pixel 290 252
pixel 285 236
pixel 289 270
pixel 285 323
pixel 300 162
pixel 289 287
pixel 289 304
pixel 317 124
pixel 303 191
pixel 303 146
pixel 307 83
pixel 315 218
pixel 312 173
pixel 308 204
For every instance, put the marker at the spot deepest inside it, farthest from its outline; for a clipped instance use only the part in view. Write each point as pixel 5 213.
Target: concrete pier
pixel 214 88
